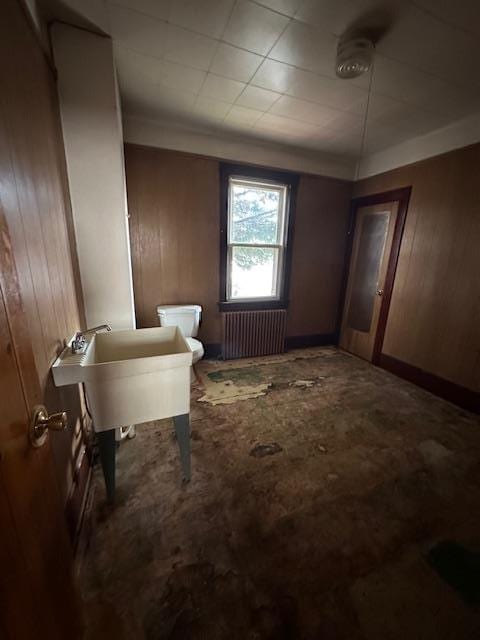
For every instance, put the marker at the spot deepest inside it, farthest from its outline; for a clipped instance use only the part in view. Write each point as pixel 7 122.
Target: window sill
pixel 254 305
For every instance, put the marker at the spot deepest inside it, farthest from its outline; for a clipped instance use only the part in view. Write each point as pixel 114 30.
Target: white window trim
pixel 281 246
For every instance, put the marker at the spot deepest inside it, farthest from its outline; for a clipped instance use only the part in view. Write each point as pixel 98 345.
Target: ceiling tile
pixel 212 108
pixel 415 87
pixel 274 75
pixel 130 64
pixel 253 27
pixel 288 7
pixel 330 15
pixel 286 127
pixel 427 43
pixel 416 39
pixel 257 98
pixel 157 8
pixel 455 102
pixel 180 77
pixel 177 100
pixel 397 80
pixel 221 88
pixel 289 107
pixel 242 115
pixel 303 46
pixel 465 15
pixel 333 92
pixel 380 105
pixel 337 16
pixel 191 49
pixel 137 31
pixel 345 123
pixel 150 101
pixel 235 63
pixel 208 16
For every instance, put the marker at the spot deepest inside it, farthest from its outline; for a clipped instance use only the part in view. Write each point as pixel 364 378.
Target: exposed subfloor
pixel 320 484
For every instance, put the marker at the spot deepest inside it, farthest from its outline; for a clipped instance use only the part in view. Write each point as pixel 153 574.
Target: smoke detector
pixel 354 57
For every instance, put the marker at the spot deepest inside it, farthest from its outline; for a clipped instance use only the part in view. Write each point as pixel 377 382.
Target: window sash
pixel 278 272
pixel 279 247
pixel 281 210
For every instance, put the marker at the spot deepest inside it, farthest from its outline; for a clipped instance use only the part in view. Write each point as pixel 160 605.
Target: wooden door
pixel 38 309
pixel 372 243
pixel 37 593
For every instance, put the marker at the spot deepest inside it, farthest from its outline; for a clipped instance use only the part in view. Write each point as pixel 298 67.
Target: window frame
pixel 266 176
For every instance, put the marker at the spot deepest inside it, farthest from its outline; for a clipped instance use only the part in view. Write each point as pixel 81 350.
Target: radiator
pixel 253 333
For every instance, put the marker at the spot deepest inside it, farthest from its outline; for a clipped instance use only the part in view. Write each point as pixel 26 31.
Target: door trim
pixel 402 196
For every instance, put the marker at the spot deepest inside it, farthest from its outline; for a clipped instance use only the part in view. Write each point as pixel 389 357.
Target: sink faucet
pixel 79 342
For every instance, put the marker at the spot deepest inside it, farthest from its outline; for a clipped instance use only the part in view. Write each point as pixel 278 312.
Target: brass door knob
pixel 41 422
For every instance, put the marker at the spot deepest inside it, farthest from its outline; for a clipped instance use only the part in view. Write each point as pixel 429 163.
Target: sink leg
pixel 107 447
pixel 182 431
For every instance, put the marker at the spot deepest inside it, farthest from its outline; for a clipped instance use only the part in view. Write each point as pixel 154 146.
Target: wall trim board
pixel 402 196
pixel 213 350
pixel 142 131
pixel 312 340
pixel 461 396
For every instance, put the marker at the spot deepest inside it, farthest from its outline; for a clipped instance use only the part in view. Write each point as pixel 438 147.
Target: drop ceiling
pixel 265 69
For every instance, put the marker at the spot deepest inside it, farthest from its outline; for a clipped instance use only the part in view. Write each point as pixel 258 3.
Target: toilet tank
pixel 185 316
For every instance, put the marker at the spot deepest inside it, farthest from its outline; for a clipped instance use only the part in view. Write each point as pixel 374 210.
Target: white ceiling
pixel 265 68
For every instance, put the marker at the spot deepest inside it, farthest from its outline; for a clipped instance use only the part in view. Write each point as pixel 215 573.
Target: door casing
pixel 402 196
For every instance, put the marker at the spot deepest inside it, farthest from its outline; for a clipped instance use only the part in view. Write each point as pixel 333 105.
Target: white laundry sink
pixel 130 376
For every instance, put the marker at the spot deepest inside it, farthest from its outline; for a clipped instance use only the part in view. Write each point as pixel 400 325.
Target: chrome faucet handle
pixel 78 343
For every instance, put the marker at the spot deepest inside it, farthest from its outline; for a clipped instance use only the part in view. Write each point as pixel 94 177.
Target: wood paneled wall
pixel 434 318
pixel 320 235
pixel 173 207
pixel 173 201
pixel 34 204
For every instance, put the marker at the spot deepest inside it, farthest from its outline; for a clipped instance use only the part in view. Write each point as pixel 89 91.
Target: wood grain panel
pixel 174 218
pixel 35 205
pixel 434 316
pixel 320 236
pixel 174 227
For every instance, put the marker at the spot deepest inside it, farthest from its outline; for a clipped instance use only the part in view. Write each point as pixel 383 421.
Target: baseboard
pixel 461 396
pixel 213 350
pixel 312 340
pixel 76 500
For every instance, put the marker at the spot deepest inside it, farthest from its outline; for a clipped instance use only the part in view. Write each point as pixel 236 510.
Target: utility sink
pixel 130 376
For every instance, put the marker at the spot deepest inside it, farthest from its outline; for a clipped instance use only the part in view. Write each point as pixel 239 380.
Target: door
pixel 37 594
pixel 372 244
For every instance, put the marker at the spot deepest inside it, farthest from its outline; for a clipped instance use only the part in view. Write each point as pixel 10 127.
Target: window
pixel 256 230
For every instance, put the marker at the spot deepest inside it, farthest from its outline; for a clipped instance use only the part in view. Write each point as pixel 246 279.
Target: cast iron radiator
pixel 253 333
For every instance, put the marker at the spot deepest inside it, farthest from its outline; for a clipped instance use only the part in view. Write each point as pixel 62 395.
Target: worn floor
pixel 320 484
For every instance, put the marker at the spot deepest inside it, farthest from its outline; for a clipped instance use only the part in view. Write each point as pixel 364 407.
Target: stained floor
pixel 320 486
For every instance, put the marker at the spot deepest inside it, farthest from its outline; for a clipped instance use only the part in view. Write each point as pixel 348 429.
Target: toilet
pixel 187 318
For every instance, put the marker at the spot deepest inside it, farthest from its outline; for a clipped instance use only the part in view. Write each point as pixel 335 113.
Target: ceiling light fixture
pixel 354 57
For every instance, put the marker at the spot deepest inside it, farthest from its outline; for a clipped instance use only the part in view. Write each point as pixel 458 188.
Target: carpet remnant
pixel 303 384
pixel 227 392
pixel 237 380
pixel 262 450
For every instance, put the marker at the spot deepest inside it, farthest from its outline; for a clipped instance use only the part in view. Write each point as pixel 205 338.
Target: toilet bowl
pixel 187 318
pixel 197 349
